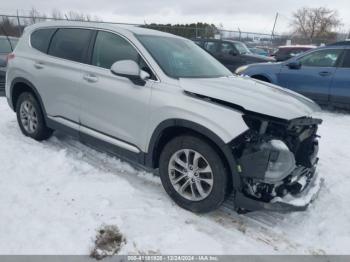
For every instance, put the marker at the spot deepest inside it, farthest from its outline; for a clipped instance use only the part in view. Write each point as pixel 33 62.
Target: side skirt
pixel 107 145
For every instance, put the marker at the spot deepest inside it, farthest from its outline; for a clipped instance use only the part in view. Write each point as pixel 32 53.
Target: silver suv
pixel 163 103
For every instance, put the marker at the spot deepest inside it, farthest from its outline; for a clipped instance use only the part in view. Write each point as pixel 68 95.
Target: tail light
pixel 10 57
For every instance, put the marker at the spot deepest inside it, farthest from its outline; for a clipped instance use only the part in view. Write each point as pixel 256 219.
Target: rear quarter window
pixel 40 39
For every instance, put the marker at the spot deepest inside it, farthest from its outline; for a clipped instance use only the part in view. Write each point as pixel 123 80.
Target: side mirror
pixel 294 65
pixel 3 62
pixel 131 70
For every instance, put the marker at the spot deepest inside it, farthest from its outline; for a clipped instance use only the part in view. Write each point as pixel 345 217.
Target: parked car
pixel 161 102
pixel 322 74
pixel 231 54
pixel 286 52
pixel 7 45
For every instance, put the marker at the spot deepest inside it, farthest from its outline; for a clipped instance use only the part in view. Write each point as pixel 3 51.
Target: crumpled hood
pixel 253 95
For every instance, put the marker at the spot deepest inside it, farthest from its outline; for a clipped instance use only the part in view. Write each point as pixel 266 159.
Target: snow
pixel 54 195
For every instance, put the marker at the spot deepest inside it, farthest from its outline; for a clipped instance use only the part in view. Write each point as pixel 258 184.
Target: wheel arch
pixel 20 85
pixel 262 77
pixel 172 128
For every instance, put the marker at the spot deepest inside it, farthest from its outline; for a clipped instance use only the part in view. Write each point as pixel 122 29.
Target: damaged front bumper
pixel 276 162
pixel 288 203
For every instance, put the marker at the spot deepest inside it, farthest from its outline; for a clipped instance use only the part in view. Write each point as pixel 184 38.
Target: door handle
pixel 325 73
pixel 90 78
pixel 39 65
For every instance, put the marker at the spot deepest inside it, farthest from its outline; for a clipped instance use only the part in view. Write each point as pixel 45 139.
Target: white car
pixel 163 103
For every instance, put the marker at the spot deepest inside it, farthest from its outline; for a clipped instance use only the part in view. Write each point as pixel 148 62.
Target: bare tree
pixel 77 16
pixel 7 27
pixel 56 14
pixel 314 23
pixel 35 16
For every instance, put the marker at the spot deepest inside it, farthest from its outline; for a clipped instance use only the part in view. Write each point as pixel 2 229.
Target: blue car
pixel 322 74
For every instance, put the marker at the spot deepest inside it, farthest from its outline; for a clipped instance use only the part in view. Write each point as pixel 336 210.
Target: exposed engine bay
pixel 276 157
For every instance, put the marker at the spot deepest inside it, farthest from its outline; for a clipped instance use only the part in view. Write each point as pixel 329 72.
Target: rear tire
pixel 30 117
pixel 193 174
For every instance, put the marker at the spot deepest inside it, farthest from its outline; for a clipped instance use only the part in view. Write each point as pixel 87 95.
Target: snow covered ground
pixel 55 194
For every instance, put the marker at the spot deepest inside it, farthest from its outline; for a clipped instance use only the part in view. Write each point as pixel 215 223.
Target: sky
pixel 247 15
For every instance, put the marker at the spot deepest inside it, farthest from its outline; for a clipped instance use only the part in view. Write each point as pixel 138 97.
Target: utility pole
pixel 274 27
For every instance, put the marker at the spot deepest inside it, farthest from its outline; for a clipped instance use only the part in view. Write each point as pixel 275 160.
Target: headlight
pixel 241 69
pixel 281 161
pixel 268 161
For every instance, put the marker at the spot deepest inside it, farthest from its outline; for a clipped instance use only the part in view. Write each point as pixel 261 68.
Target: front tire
pixel 193 174
pixel 30 117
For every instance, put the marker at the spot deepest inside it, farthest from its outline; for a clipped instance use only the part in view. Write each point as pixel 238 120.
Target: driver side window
pixel 110 48
pixel 322 58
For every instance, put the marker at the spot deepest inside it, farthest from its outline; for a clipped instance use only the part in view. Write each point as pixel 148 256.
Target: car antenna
pixel 5 34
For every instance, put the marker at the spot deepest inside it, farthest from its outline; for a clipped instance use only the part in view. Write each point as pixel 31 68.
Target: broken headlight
pixel 281 161
pixel 268 161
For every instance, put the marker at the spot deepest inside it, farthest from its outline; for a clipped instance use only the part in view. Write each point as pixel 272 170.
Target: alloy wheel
pixel 29 117
pixel 190 174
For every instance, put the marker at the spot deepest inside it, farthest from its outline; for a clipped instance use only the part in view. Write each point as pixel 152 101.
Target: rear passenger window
pixel 346 61
pixel 71 44
pixel 40 39
pixel 110 48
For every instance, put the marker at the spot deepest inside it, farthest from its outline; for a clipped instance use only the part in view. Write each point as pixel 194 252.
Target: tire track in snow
pixel 256 225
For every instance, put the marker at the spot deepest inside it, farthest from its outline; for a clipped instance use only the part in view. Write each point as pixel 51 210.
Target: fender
pixel 225 148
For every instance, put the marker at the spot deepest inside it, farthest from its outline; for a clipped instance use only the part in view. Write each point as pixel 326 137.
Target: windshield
pixel 242 48
pixel 181 58
pixel 5 46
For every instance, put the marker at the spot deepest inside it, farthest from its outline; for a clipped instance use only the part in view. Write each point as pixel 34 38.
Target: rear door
pixel 340 90
pixel 313 79
pixel 59 74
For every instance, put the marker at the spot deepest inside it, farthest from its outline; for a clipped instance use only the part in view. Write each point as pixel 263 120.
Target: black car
pixel 7 45
pixel 231 54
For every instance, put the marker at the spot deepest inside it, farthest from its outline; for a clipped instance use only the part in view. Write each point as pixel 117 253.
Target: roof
pixel 215 40
pixel 297 46
pixel 134 29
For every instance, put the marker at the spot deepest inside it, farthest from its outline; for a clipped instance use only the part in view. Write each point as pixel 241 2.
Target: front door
pixel 112 106
pixel 314 76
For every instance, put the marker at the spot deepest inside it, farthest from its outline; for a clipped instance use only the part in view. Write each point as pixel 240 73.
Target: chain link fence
pixel 13 25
